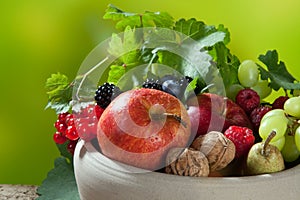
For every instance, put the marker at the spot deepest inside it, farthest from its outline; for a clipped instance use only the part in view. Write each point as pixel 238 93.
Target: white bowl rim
pixel 124 168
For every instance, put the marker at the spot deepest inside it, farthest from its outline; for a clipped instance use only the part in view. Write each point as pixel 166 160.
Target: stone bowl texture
pixel 99 177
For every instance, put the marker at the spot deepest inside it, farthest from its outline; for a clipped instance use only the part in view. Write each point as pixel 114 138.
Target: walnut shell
pixel 218 149
pixel 186 162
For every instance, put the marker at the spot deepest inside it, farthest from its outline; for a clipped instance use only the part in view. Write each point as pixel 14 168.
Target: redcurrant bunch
pixel 72 126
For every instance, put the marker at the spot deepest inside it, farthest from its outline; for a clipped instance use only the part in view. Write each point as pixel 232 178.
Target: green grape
pixel 274 123
pixel 292 106
pixel 275 112
pixel 232 91
pixel 290 151
pixel 262 88
pixel 248 73
pixel 278 143
pixel 297 137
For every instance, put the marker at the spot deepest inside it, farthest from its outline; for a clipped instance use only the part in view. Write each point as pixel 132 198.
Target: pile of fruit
pixel 179 122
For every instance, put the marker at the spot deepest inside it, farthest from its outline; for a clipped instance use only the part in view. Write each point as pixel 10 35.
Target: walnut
pixel 187 162
pixel 218 149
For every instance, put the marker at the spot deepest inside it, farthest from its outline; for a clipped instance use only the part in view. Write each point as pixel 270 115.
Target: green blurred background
pixel 38 38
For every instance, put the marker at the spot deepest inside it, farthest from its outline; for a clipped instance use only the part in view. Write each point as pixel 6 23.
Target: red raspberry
pixel 279 102
pixel 242 137
pixel 98 110
pixel 257 114
pixel 248 99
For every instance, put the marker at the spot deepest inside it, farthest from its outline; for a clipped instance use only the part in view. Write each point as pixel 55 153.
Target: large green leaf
pixel 60 183
pixel 277 72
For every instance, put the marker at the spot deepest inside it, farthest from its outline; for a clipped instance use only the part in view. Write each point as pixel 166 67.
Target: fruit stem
pixel 158 116
pixel 176 117
pixel 268 140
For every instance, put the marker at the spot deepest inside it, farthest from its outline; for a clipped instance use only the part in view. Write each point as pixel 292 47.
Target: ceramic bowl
pixel 99 177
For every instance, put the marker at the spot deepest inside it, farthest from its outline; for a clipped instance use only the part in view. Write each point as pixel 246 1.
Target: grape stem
pixel 268 140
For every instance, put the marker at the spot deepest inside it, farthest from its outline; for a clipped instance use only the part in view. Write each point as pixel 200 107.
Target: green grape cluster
pixel 286 123
pixel 248 75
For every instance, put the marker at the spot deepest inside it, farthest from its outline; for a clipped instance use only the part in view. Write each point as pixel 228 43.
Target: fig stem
pixel 268 140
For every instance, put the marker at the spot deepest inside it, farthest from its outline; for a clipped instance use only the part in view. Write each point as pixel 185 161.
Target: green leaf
pixel 115 73
pixel 157 19
pixel 193 28
pixel 147 19
pixel 226 31
pixel 59 91
pixel 59 107
pixel 226 63
pixel 199 31
pixel 277 72
pixel 125 48
pixel 64 152
pixel 212 39
pixel 60 183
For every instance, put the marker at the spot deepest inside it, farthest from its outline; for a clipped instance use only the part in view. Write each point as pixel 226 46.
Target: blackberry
pixel 152 84
pixel 105 94
pixel 189 79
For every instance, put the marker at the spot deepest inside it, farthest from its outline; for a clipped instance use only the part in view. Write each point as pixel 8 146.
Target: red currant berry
pixel 70 120
pixel 60 127
pixel 71 133
pixel 59 138
pixel 71 146
pixel 62 117
pixel 57 124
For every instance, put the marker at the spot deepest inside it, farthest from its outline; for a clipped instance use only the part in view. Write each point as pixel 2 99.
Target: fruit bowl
pixel 157 112
pixel 99 177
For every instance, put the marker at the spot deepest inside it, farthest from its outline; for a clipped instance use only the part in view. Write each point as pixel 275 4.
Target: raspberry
pixel 98 110
pixel 105 94
pixel 279 102
pixel 242 137
pixel 257 114
pixel 248 99
pixel 152 84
